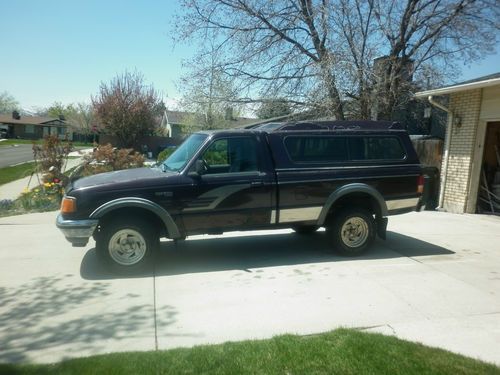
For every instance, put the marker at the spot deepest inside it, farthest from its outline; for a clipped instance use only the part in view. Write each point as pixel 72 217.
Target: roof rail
pixel 336 125
pixel 396 125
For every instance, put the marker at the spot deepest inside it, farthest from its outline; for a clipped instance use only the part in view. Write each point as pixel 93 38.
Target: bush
pixel 50 157
pixel 162 156
pixel 107 159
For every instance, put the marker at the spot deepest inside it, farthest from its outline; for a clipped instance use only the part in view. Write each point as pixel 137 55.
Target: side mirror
pixel 200 167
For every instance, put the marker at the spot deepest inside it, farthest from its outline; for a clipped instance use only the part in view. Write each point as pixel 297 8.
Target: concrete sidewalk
pixel 435 280
pixel 13 189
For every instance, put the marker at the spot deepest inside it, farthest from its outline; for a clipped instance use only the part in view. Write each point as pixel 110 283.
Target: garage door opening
pixel 488 200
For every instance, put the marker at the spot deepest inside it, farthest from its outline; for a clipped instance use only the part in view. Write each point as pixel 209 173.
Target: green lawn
pixel 8 174
pixel 339 352
pixel 10 142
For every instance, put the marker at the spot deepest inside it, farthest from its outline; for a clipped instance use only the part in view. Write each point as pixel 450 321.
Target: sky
pixel 61 50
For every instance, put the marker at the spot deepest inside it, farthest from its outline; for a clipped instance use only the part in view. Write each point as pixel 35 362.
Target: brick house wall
pixel 472 107
pixel 467 106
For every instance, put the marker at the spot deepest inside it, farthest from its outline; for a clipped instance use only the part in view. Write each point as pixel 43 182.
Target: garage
pixel 470 177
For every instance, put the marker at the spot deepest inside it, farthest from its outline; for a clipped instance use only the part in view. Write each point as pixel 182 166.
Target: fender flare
pixel 172 229
pixel 349 189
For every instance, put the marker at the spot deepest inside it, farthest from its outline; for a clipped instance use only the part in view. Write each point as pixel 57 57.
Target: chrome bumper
pixel 77 232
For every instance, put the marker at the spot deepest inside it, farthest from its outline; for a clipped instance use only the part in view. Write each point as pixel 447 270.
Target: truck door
pixel 235 190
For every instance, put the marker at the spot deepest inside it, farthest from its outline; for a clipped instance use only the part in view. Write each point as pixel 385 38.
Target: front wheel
pixel 126 245
pixel 351 232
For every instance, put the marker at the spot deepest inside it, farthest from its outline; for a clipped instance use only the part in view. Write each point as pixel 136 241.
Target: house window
pixel 61 131
pixel 29 129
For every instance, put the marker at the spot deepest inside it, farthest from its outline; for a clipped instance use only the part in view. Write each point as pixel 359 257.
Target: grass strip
pixel 12 142
pixel 15 172
pixel 342 351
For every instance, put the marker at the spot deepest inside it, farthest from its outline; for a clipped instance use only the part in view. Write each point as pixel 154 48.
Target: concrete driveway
pixel 435 280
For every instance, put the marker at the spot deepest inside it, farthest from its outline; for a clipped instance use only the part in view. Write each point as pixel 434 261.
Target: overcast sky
pixel 60 50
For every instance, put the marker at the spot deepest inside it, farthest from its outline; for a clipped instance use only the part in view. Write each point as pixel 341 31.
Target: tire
pixel 305 229
pixel 352 231
pixel 126 245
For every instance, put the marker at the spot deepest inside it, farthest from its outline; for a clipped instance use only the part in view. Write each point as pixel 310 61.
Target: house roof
pixel 30 120
pixel 177 117
pixel 180 118
pixel 476 83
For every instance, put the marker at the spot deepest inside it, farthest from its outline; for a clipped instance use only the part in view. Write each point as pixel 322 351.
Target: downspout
pixel 446 148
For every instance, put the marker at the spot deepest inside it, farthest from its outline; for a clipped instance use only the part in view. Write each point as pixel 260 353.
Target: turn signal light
pixel 68 205
pixel 420 184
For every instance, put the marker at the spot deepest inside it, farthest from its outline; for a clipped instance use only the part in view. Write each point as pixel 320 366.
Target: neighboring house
pixel 32 127
pixel 472 143
pixel 178 124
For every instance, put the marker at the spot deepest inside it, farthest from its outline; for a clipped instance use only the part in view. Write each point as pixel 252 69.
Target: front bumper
pixel 77 232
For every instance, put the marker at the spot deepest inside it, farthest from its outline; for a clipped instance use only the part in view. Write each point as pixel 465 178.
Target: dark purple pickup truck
pixel 346 176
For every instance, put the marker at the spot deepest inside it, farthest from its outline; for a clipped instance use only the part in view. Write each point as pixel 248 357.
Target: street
pixel 435 280
pixel 21 153
pixel 11 155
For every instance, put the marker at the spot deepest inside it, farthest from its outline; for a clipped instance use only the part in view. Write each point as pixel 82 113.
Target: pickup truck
pixel 346 176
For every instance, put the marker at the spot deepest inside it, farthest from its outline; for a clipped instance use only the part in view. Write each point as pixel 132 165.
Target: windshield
pixel 184 153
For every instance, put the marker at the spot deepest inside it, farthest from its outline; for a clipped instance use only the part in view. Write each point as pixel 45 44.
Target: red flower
pixel 56 180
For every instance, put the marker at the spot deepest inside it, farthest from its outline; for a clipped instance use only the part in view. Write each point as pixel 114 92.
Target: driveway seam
pixel 154 308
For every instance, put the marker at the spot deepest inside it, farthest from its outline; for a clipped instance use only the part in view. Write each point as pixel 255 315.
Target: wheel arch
pixel 141 203
pixel 353 190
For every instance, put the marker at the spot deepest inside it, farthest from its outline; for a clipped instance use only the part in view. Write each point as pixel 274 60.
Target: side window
pixel 316 149
pixel 376 148
pixel 217 154
pixel 232 155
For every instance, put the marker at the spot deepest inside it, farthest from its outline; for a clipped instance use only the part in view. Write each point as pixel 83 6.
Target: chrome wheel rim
pixel 354 232
pixel 127 247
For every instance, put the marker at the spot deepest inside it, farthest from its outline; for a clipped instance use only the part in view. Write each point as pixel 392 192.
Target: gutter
pixel 446 148
pixel 460 87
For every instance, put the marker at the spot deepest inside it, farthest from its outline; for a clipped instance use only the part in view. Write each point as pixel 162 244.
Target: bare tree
pixel 436 32
pixel 128 108
pixel 82 118
pixel 270 48
pixel 208 92
pixel 273 108
pixel 320 53
pixel 7 102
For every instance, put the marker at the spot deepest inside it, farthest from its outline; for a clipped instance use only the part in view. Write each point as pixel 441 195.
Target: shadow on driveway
pixel 45 315
pixel 247 252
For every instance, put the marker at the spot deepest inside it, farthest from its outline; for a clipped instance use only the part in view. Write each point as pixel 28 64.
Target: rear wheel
pixel 126 245
pixel 352 231
pixel 305 229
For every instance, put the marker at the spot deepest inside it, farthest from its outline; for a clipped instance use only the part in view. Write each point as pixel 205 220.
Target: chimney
pixel 61 117
pixel 16 115
pixel 229 113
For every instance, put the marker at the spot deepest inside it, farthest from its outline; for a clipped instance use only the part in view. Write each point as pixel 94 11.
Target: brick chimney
pixel 229 113
pixel 16 115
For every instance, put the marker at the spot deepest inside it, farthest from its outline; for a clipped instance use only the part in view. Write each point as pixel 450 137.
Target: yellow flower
pixel 37 190
pixel 26 190
pixel 47 184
